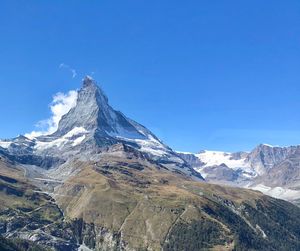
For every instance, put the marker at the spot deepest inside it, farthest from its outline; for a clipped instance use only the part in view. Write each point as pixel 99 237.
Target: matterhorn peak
pixel 88 81
pixel 91 126
pixel 91 90
pixel 93 113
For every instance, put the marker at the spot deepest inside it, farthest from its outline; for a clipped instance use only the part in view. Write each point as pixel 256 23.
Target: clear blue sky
pixel 221 75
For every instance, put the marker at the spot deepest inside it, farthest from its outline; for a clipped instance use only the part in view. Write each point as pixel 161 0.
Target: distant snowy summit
pixel 271 169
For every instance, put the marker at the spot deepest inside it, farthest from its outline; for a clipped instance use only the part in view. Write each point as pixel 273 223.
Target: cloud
pixel 60 105
pixel 69 68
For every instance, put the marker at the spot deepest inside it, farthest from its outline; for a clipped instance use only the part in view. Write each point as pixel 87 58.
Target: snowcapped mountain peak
pixel 90 127
pixel 105 125
pixel 91 88
pixel 88 80
pixel 91 104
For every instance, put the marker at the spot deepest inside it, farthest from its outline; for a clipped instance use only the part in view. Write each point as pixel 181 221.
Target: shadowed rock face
pixel 285 173
pixel 220 173
pixel 265 157
pixel 275 166
pixel 191 159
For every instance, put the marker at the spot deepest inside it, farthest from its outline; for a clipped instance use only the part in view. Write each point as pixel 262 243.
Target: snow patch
pixel 150 145
pixel 185 152
pixel 78 140
pixel 5 144
pixel 212 158
pixel 83 247
pixel 75 131
pixel 267 145
pixel 277 192
pixel 67 138
pixel 262 231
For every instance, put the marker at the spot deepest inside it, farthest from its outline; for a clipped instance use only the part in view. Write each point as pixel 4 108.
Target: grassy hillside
pixel 154 210
pixel 130 203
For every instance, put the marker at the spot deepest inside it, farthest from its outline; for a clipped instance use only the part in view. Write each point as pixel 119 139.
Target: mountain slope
pixel 123 202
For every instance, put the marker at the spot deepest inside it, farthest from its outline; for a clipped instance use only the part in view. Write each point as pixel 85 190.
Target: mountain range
pixel 272 170
pixel 102 181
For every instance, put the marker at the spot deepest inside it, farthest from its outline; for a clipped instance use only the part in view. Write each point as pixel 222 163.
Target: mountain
pixel 104 182
pixel 89 128
pixel 270 169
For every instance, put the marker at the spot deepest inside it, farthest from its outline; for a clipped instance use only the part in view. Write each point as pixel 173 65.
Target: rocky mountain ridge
pixel 273 170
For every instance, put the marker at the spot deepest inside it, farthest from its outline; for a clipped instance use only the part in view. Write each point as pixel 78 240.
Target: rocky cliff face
pixel 265 157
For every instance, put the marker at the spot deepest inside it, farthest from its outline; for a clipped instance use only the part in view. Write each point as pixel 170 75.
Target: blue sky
pixel 220 75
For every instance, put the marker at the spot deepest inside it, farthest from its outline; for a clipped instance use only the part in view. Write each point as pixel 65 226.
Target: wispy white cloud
pixel 69 68
pixel 60 105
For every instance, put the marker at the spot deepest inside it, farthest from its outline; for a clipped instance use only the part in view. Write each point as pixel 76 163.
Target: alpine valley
pixel 102 181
